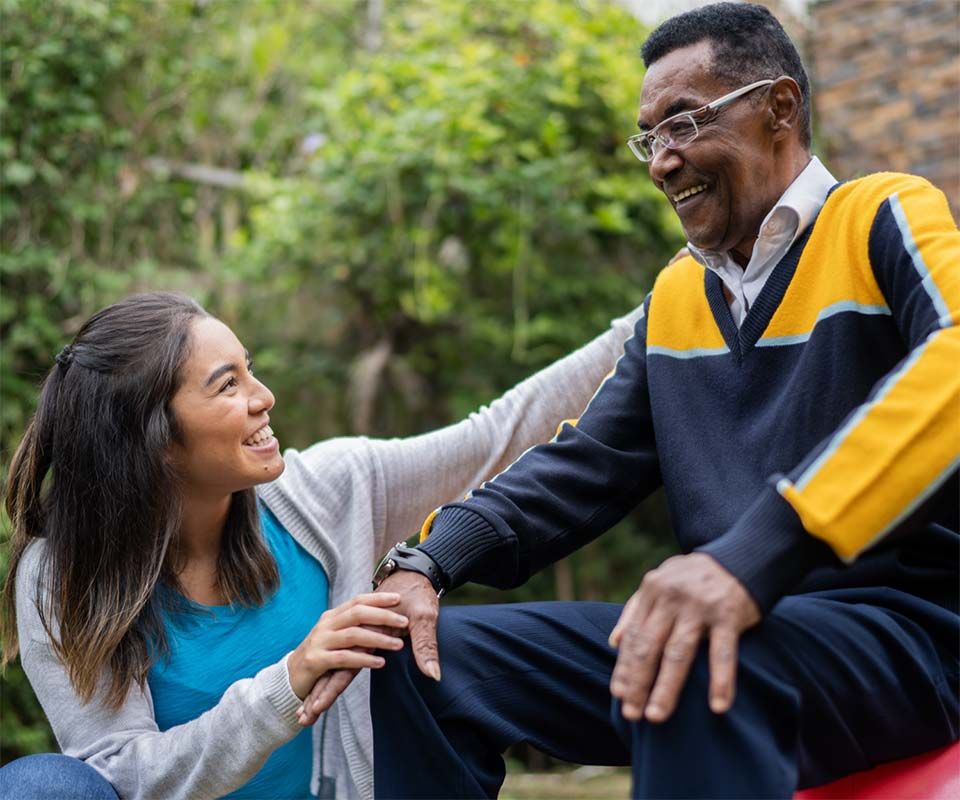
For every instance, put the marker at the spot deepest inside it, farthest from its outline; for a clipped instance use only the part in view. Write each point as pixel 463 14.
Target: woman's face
pixel 226 444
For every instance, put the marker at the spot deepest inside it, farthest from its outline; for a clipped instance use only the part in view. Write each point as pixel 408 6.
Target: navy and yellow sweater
pixel 826 426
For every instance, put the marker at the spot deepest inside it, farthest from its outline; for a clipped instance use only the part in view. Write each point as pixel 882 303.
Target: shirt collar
pixel 802 201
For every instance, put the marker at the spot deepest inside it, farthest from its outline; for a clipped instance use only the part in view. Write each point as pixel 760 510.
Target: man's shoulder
pixel 872 190
pixel 683 274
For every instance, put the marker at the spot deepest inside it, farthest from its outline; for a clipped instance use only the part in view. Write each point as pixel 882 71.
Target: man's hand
pixel 659 632
pixel 419 604
pixel 327 689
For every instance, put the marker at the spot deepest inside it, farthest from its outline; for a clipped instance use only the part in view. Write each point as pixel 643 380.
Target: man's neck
pixel 742 252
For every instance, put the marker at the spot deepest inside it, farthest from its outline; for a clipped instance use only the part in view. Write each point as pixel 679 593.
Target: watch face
pixel 386 568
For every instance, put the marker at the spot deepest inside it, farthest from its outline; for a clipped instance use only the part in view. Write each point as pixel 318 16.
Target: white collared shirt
pixel 787 220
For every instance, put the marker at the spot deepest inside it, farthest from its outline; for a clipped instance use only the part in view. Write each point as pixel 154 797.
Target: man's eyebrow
pixel 223 369
pixel 678 105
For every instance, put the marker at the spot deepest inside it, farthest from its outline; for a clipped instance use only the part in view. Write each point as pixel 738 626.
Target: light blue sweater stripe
pixel 926 279
pixel 695 352
pixel 832 310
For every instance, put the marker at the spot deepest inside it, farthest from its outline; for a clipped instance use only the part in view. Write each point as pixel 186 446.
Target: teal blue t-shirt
pixel 219 645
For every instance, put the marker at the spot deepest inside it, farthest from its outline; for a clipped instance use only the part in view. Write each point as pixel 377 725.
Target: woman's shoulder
pixel 325 470
pixel 31 566
pixel 31 587
pixel 324 496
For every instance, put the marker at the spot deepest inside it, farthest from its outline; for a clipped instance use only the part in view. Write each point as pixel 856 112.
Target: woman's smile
pixel 262 440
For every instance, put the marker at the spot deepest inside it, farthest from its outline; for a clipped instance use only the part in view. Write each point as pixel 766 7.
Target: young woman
pixel 178 586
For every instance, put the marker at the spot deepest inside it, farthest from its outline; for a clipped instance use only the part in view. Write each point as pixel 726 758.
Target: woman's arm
pixel 419 473
pixel 218 751
pixel 205 758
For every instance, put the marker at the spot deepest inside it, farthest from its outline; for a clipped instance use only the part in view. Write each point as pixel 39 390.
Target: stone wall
pixel 886 77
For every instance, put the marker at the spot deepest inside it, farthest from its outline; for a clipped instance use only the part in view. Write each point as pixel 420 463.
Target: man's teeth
pixel 687 192
pixel 260 436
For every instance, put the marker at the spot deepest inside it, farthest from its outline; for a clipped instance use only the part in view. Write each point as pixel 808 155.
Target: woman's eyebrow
pixel 219 372
pixel 223 369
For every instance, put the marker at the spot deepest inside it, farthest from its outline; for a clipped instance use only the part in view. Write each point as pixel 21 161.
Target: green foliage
pixel 470 204
pixel 400 217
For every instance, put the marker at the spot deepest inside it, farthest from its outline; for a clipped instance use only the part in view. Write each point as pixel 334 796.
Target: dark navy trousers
pixel 828 684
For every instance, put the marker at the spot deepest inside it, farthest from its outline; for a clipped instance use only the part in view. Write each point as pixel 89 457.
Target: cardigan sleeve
pixel 419 473
pixel 557 495
pixel 873 477
pixel 207 757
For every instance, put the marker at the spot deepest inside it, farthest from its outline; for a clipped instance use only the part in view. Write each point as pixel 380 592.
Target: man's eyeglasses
pixel 681 129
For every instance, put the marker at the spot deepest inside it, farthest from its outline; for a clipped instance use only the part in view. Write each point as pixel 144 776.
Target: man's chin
pixel 701 239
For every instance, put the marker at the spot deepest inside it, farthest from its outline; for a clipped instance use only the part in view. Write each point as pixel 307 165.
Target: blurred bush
pixel 402 208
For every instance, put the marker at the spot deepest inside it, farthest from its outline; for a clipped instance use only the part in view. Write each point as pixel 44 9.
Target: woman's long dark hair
pixel 93 478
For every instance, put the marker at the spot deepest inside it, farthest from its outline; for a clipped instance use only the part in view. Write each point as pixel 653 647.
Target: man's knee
pixel 692 704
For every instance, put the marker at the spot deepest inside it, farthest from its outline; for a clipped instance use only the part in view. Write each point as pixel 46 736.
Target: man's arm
pixel 418 473
pixel 553 500
pixel 558 495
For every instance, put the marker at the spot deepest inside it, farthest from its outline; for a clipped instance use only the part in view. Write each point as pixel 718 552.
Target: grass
pixel 583 783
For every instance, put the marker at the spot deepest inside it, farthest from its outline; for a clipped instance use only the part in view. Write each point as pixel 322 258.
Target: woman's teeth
pixel 688 192
pixel 260 436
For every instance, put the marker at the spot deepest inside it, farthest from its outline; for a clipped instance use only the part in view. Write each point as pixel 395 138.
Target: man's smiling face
pixel 724 182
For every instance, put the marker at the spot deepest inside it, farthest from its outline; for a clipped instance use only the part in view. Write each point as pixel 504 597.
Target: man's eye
pixel 681 129
pixel 250 367
pixel 229 385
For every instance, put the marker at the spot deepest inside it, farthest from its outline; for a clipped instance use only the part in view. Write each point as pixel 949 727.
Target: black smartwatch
pixel 409 558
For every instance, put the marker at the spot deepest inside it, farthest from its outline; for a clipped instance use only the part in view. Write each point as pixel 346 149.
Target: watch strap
pixel 412 560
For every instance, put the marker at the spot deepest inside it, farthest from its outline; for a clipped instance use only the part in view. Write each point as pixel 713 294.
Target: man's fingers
pixel 723 667
pixel 678 655
pixel 423 641
pixel 327 689
pixel 637 662
pixel 633 614
pixel 339 680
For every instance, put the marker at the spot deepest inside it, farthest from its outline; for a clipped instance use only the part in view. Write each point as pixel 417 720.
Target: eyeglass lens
pixel 675 133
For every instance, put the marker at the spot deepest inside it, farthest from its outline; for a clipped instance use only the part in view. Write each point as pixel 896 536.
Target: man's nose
pixel 665 160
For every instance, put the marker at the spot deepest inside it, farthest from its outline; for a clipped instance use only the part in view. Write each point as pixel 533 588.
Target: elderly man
pixel 795 386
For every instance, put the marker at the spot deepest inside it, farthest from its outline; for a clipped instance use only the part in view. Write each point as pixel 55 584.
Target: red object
pixel 932 776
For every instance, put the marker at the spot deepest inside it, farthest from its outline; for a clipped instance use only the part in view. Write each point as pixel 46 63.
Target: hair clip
pixel 65 356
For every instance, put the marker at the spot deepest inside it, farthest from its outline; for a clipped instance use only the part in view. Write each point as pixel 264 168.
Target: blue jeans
pixel 51 776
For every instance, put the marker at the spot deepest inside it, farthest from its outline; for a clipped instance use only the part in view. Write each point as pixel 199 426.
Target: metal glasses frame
pixel 647 144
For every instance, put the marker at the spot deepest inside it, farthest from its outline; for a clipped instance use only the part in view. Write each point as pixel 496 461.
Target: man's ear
pixel 784 106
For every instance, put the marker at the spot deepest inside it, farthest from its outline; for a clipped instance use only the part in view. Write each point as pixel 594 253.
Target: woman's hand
pixel 342 639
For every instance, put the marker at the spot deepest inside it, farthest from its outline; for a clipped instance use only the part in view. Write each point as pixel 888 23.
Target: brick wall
pixel 886 77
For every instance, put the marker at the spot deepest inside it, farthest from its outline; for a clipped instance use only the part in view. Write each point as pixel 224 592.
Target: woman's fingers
pixel 363 614
pixel 362 637
pixel 374 599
